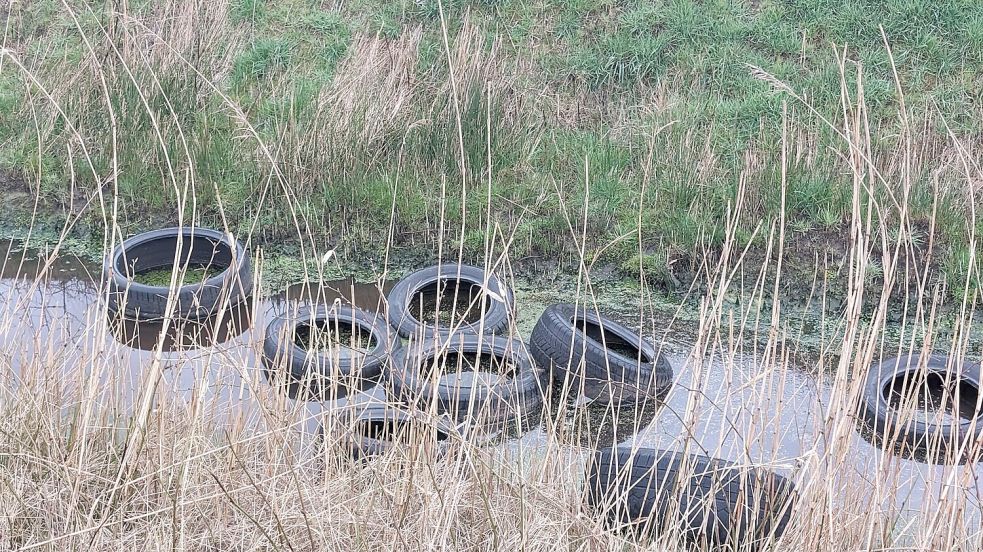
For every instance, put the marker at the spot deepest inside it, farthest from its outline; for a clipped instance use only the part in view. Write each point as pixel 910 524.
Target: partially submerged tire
pixel 893 406
pixel 485 379
pixel 709 501
pixel 326 352
pixel 598 357
pixel 369 430
pixel 156 250
pixel 477 306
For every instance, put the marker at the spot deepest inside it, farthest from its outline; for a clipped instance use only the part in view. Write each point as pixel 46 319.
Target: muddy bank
pixel 811 308
pixel 814 265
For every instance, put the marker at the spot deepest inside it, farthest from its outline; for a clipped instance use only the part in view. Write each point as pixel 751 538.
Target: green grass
pixel 577 86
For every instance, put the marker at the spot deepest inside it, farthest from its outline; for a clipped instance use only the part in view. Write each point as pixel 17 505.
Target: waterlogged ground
pixel 773 414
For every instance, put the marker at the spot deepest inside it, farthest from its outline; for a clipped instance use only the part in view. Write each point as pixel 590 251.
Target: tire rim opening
pixel 448 302
pixel 611 340
pixel 470 369
pixel 152 263
pixel 395 430
pixel 931 395
pixel 333 335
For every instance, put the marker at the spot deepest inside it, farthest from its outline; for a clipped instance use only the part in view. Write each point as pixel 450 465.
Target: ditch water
pixel 774 417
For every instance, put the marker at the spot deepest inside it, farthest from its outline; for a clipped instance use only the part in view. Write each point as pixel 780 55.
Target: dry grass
pixel 104 448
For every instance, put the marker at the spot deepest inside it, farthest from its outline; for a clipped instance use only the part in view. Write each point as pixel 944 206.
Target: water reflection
pixel 182 334
pixel 592 424
pixel 53 328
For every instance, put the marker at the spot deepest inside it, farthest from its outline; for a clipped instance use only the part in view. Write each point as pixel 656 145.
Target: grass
pixel 585 132
pixel 657 113
pixel 205 472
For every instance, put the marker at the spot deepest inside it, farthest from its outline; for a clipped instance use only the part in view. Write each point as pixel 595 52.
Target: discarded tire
pixel 711 502
pixel 896 394
pixel 597 356
pixel 486 379
pixel 200 248
pixel 415 302
pixel 373 429
pixel 326 352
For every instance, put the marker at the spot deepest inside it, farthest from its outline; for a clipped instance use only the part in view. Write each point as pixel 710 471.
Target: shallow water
pixel 765 416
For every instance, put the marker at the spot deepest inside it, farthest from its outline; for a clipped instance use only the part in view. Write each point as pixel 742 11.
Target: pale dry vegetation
pixel 100 451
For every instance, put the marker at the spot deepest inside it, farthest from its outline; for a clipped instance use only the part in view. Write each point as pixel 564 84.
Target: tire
pixel 326 375
pixel 516 398
pixel 711 502
pixel 589 360
pixel 156 250
pixel 494 319
pixel 372 429
pixel 935 440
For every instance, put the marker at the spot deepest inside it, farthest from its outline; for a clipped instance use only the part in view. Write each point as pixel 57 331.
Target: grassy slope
pixel 661 105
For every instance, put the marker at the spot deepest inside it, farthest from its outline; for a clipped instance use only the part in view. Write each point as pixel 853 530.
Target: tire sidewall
pixel 604 373
pixel 519 395
pixel 883 419
pixel 362 447
pixel 280 350
pixel 496 317
pixel 192 300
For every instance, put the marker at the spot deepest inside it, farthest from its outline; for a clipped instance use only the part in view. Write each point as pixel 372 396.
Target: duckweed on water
pixel 162 277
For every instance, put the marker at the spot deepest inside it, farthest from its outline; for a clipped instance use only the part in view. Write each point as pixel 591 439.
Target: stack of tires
pixel 451 374
pixel 445 375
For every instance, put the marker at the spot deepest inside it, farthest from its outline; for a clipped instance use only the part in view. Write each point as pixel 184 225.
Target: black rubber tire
pixel 322 376
pixel 934 441
pixel 495 319
pixel 711 502
pixel 156 250
pixel 513 400
pixel 368 430
pixel 588 364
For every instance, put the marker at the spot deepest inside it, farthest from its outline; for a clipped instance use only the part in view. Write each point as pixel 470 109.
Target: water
pixel 776 417
pixel 59 319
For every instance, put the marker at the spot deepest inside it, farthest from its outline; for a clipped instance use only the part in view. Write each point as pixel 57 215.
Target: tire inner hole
pixel 471 368
pixel 153 264
pixel 449 301
pixel 333 335
pixel 611 340
pixel 398 430
pixel 932 394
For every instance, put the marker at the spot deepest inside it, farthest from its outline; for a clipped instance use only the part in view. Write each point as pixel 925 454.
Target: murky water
pixel 770 416
pixel 60 319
